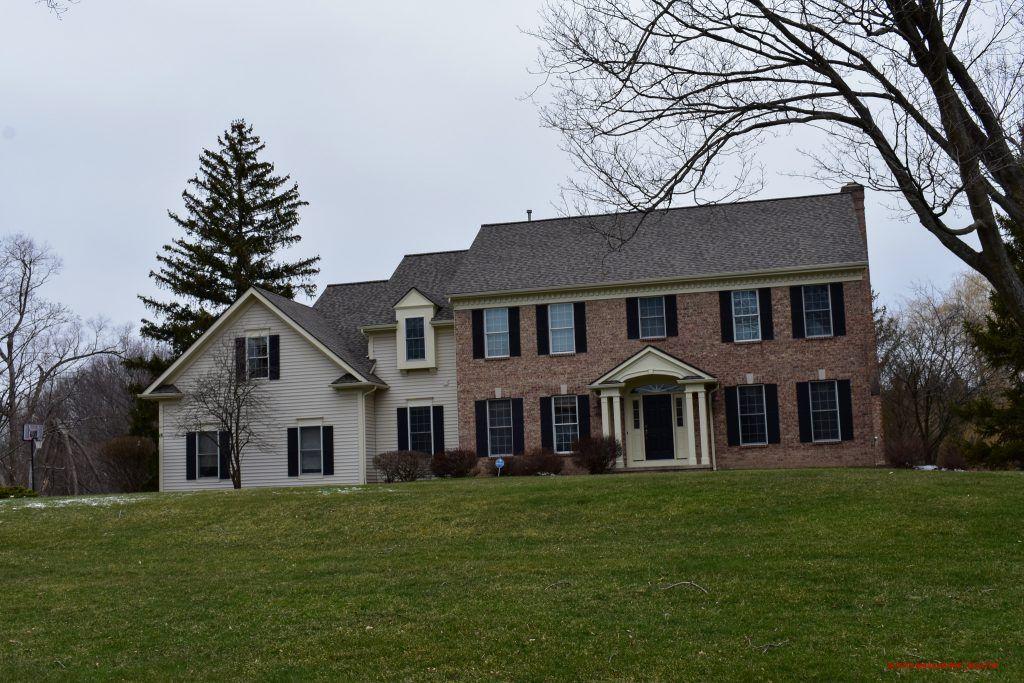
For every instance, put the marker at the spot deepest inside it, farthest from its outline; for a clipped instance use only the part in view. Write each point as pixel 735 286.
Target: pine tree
pixel 1000 422
pixel 238 216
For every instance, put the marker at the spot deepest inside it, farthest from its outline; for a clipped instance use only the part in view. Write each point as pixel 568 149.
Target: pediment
pixel 651 362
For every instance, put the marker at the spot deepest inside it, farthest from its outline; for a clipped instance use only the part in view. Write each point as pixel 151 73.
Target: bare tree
pixel 930 369
pixel 41 342
pixel 224 398
pixel 921 99
pixel 58 7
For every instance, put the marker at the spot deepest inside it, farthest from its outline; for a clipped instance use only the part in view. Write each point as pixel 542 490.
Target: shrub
pixel 454 463
pixel 17 492
pixel 401 465
pixel 537 461
pixel 597 455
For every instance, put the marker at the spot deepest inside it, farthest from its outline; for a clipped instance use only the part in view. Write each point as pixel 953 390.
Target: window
pixel 636 414
pixel 817 311
pixel 566 422
pixel 561 331
pixel 679 411
pixel 824 411
pixel 421 429
pixel 257 356
pixel 652 317
pixel 415 344
pixel 753 416
pixel 496 332
pixel 499 427
pixel 746 316
pixel 311 450
pixel 208 454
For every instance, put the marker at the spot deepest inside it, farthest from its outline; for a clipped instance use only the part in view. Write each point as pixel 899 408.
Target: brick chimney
pixel 856 192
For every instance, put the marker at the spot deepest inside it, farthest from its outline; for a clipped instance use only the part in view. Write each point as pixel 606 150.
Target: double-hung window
pixel 421 429
pixel 415 343
pixel 499 427
pixel 817 311
pixel 753 416
pixel 311 450
pixel 207 455
pixel 566 421
pixel 824 411
pixel 652 317
pixel 496 333
pixel 746 316
pixel 257 356
pixel 561 331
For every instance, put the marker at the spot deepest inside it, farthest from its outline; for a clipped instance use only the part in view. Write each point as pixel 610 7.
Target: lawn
pixel 825 574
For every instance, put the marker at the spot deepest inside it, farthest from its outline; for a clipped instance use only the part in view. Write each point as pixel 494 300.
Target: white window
pixel 207 455
pixel 311 450
pixel 496 332
pixel 421 429
pixel 499 427
pixel 746 316
pixel 257 356
pixel 562 335
pixel 680 415
pixel 566 421
pixel 824 411
pixel 415 343
pixel 636 414
pixel 817 311
pixel 652 317
pixel 752 415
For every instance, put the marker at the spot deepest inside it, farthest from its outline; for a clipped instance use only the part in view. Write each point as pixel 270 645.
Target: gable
pixel 651 361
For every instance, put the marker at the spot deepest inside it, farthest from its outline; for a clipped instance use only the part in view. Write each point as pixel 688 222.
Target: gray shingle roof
pixel 818 230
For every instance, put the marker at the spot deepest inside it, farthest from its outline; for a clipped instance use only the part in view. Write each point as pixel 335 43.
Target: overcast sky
pixel 406 125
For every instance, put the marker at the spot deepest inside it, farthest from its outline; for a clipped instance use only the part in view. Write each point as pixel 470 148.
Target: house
pixel 732 335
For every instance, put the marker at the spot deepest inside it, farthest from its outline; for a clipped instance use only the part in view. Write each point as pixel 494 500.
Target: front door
pixel 658 443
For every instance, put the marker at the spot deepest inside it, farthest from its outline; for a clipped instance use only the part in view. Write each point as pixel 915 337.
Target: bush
pixel 17 492
pixel 402 465
pixel 537 461
pixel 132 462
pixel 454 463
pixel 597 455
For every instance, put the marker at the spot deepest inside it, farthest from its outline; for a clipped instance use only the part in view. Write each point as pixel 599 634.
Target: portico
pixel 658 407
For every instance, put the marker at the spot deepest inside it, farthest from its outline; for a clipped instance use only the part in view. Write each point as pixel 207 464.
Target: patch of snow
pixel 91 501
pixel 927 468
pixel 343 490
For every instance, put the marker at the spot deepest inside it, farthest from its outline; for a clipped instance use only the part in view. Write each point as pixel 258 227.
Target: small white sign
pixel 499 463
pixel 32 432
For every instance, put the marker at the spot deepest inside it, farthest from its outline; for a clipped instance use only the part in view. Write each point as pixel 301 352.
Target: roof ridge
pixel 667 209
pixel 357 282
pixel 433 253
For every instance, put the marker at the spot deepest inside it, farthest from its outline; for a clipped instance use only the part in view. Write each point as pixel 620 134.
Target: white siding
pixel 302 394
pixel 435 385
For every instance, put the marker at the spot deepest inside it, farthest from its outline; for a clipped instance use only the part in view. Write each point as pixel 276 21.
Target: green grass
pixel 540 578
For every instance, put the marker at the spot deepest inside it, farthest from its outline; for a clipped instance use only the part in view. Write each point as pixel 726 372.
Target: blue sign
pixel 499 463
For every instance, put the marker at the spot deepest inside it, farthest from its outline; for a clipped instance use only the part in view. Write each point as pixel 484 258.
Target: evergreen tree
pixel 1000 422
pixel 238 216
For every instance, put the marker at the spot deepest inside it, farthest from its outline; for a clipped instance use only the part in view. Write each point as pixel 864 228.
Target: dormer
pixel 414 333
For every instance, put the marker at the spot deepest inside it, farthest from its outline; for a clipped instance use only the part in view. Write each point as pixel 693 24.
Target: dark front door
pixel 658 428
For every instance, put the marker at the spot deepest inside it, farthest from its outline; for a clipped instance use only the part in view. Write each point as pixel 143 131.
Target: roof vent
pixel 529 214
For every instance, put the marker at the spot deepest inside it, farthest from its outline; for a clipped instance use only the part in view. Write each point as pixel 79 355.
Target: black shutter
pixel 542 330
pixel 671 316
pixel 293 451
pixel 771 409
pixel 481 428
pixel 438 429
pixel 274 351
pixel 732 417
pixel 764 305
pixel 803 409
pixel 240 358
pixel 632 318
pixel 327 434
pixel 796 306
pixel 725 315
pixel 583 412
pixel 845 410
pixel 547 438
pixel 478 332
pixel 224 446
pixel 403 429
pixel 190 455
pixel 579 320
pixel 513 331
pixel 838 309
pixel 517 426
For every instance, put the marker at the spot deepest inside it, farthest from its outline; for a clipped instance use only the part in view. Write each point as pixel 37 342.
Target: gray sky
pixel 404 123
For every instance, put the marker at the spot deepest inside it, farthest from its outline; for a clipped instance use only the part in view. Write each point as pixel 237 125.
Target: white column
pixel 702 409
pixel 691 441
pixel 605 425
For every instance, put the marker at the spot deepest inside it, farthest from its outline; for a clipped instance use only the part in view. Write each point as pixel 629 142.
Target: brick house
pixel 733 335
